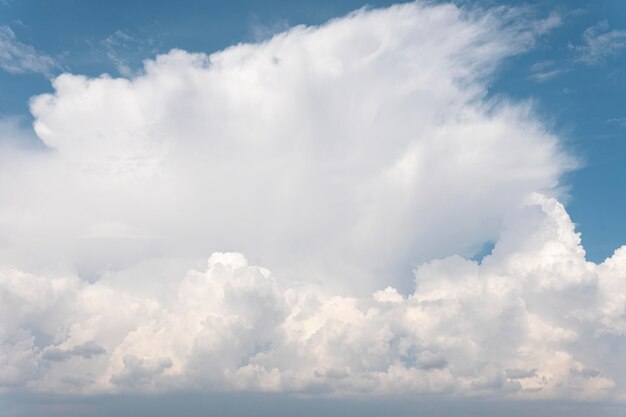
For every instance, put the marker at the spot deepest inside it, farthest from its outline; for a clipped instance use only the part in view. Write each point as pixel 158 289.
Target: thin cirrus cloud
pixel 121 47
pixel 546 70
pixel 600 43
pixel 19 58
pixel 337 159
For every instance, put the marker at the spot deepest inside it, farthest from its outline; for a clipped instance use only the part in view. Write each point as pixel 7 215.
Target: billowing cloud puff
pixel 533 320
pixel 355 149
pixel 340 158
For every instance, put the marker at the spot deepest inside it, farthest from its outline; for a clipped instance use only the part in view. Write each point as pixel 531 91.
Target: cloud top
pixel 354 149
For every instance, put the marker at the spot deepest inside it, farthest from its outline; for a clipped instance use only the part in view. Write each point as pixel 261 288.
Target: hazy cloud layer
pixel 339 158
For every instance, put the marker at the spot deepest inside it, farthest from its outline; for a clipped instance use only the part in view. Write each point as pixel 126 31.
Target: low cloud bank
pixel 533 320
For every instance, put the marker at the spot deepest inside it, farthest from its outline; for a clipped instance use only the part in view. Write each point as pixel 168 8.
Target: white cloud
pixel 339 157
pixel 530 321
pixel 621 121
pixel 18 58
pixel 122 49
pixel 600 43
pixel 16 133
pixel 546 70
pixel 356 149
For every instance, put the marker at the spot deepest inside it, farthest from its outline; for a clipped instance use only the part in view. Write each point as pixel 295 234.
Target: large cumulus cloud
pixel 339 158
pixel 355 149
pixel 533 320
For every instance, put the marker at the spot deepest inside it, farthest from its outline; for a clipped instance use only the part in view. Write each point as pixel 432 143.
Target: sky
pixel 297 208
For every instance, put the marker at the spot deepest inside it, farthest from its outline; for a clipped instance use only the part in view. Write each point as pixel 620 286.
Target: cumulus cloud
pixel 355 149
pixel 529 321
pixel 18 58
pixel 340 158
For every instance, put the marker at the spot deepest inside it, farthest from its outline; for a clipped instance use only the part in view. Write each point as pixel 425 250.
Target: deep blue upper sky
pixel 583 100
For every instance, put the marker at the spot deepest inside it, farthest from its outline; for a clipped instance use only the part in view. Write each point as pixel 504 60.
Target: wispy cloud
pixel 546 70
pixel 543 26
pixel 114 44
pixel 122 49
pixel 261 31
pixel 618 120
pixel 600 43
pixel 19 58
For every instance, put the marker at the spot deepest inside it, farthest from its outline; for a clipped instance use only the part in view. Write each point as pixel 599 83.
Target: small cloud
pixel 260 31
pixel 20 58
pixel 545 70
pixel 123 49
pixel 546 25
pixel 578 12
pixel 388 295
pixel 116 47
pixel 546 75
pixel 621 121
pixel 600 43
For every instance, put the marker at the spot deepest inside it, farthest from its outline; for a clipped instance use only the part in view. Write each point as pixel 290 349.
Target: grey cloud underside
pixel 336 159
pixel 86 350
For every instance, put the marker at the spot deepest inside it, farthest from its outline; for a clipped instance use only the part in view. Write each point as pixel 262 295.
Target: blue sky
pixel 327 208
